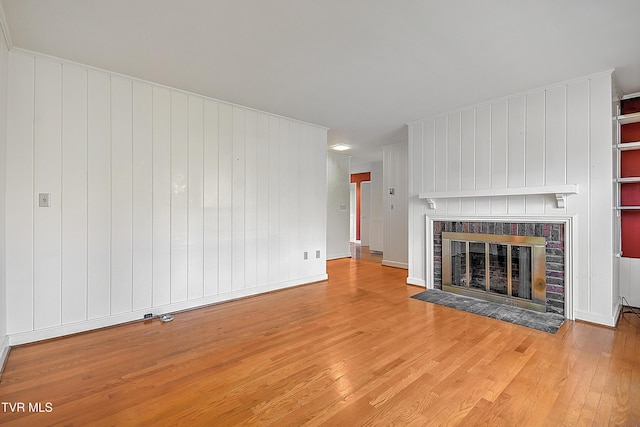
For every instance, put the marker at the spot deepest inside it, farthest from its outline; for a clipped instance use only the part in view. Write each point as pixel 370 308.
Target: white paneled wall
pixel 551 136
pixel 338 205
pixel 395 175
pixel 4 55
pixel 160 200
pixel 376 221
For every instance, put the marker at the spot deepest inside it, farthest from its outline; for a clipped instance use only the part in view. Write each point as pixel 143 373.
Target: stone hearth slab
pixel 546 322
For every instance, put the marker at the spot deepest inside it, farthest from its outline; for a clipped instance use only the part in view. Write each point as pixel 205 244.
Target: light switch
pixel 44 200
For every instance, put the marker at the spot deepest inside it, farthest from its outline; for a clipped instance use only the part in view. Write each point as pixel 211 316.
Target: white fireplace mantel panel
pixel 560 192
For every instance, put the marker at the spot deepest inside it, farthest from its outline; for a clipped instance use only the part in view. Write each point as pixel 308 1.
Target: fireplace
pixel 502 268
pixel 515 263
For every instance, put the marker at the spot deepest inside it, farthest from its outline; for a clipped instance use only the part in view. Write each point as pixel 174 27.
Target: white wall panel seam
pixel 202 195
pixel 170 196
pixel 490 154
pixel 33 205
pixel 188 175
pixel 86 285
pixel 152 192
pixel 544 139
pixel 588 212
pixel 133 285
pixel 566 139
pixel 110 190
pixel 62 258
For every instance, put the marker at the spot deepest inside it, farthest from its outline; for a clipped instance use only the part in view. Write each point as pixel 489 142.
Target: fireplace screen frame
pixel 538 268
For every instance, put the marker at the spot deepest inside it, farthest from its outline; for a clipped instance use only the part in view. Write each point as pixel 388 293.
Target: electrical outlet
pixel 148 315
pixel 317 254
pixel 306 255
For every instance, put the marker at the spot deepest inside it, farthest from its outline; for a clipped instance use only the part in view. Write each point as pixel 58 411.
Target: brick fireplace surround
pixel 554 234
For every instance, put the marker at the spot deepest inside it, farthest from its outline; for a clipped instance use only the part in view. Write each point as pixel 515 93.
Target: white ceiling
pixel 363 68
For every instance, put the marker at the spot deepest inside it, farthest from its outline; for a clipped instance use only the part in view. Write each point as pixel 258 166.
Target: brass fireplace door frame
pixel 538 270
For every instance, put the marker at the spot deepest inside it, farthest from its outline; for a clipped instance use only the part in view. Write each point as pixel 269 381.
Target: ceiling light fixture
pixel 340 147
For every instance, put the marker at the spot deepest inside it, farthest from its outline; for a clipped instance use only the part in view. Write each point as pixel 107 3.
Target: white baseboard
pixel 395 264
pixel 632 301
pixel 88 325
pixel 599 319
pixel 417 282
pixel 4 353
pixel 345 255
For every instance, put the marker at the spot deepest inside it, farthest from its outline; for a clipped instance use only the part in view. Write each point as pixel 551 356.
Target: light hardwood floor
pixel 354 350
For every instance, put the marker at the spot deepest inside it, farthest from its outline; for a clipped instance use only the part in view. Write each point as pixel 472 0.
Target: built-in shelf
pixel 625 119
pixel 627 180
pixel 628 208
pixel 629 146
pixel 559 191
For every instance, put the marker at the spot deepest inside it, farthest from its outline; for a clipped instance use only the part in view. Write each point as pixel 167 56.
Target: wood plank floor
pixel 354 350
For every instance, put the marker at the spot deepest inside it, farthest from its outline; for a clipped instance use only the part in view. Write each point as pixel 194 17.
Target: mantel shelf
pixel 560 192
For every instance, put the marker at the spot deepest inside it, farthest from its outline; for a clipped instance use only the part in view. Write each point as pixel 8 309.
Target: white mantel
pixel 559 191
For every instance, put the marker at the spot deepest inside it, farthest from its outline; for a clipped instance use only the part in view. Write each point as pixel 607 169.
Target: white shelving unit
pixel 625 146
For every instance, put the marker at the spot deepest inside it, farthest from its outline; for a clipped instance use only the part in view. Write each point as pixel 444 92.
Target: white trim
pixel 416 281
pixel 569 221
pixel 632 301
pixel 560 192
pixel 600 319
pixel 4 353
pixel 339 256
pixel 631 95
pixel 59 331
pixel 395 264
pixel 4 26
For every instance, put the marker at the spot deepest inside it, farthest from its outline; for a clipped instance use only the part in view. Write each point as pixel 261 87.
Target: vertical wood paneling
pixel 20 195
pixel 251 200
pixel 467 156
pixel 299 185
pixel 499 153
pixel 320 227
pixel 285 209
pixel 577 170
pixel 74 194
pixel 225 196
pixel 238 200
pixel 263 199
pixel 440 160
pixel 121 196
pixel 428 156
pixel 47 173
pixel 517 167
pixel 483 156
pixel 535 149
pixel 420 141
pixel 454 169
pixel 161 196
pixel 211 202
pixel 179 196
pixel 99 191
pixel 601 174
pixel 274 200
pixel 157 197
pixel 196 196
pixel 142 187
pixel 555 141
